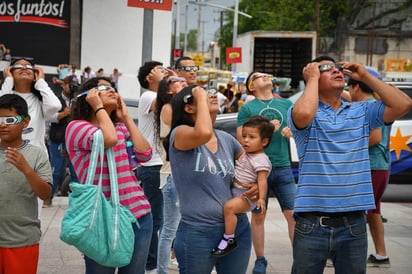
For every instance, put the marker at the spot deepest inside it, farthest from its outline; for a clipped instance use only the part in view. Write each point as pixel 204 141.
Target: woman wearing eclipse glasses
pixel 23 78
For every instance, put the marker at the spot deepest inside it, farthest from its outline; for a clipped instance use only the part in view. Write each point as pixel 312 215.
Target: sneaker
pixel 151 271
pixel 373 262
pixel 260 265
pixel 173 264
pixel 47 203
pixel 384 220
pixel 329 263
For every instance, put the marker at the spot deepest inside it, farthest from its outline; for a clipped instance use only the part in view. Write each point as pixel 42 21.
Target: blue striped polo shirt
pixel 334 168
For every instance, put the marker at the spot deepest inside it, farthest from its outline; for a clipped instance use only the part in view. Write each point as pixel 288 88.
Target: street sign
pixel 199 60
pixel 153 5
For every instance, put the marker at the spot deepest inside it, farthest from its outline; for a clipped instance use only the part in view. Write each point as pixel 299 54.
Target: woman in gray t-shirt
pixel 202 161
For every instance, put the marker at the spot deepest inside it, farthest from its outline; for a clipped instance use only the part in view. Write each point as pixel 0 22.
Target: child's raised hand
pixel 14 157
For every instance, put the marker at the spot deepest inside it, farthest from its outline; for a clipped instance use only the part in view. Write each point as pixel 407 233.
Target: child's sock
pixel 223 242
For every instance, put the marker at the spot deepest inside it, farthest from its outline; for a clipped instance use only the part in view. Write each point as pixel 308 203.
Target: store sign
pixel 151 4
pixel 38 12
pixel 37 28
pixel 233 55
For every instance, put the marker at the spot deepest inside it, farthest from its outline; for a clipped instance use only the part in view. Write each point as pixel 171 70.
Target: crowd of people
pixel 194 184
pixel 5 53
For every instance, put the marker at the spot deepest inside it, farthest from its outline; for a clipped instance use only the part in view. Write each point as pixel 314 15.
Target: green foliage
pixel 191 40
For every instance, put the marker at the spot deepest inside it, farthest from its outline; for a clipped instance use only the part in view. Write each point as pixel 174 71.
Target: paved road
pixel 60 258
pixel 398 193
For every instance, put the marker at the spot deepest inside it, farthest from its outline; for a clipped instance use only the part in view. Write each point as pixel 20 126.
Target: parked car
pixel 400 140
pixel 132 107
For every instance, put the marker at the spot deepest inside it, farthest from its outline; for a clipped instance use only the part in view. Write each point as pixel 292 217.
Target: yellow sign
pixel 199 60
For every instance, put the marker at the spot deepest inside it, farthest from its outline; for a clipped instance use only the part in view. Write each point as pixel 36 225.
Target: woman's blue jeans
pixel 141 250
pixel 194 243
pixel 171 218
pixel 313 244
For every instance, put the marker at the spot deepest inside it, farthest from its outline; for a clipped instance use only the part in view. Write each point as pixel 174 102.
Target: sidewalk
pixel 58 257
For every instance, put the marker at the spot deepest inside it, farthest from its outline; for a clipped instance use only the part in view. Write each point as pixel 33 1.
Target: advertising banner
pixel 233 55
pixel 151 4
pixel 36 28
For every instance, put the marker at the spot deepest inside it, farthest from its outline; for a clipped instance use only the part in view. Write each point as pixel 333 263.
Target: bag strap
pixel 114 197
pixel 94 157
pixel 97 150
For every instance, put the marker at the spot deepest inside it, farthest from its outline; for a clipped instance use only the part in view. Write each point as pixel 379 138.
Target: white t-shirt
pixel 220 100
pixel 147 124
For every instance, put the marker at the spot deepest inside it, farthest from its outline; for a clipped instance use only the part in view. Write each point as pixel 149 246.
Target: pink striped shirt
pixel 79 140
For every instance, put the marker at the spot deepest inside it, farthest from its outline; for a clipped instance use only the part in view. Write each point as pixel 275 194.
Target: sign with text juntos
pixel 151 4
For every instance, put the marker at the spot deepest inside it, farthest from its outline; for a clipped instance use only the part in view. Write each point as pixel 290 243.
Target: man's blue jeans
pixel 141 248
pixel 194 244
pixel 171 218
pixel 150 179
pixel 313 244
pixel 58 163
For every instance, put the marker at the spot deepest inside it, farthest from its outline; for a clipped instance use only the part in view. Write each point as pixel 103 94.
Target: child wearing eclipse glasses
pixel 25 175
pixel 25 79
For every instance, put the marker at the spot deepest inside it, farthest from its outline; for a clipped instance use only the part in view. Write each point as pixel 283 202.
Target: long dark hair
pixel 180 116
pixel 163 97
pixel 81 110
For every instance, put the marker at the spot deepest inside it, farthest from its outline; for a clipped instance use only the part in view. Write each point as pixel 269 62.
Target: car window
pixel 407 90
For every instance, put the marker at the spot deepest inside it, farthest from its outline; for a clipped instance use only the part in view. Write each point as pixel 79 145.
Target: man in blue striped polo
pixel 334 188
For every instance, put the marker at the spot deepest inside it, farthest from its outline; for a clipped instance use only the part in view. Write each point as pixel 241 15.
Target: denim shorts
pixel 282 184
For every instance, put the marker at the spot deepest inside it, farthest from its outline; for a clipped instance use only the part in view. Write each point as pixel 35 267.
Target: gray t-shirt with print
pixel 203 179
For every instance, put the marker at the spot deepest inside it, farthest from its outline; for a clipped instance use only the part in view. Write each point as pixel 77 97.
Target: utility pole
pixel 185 43
pixel 236 14
pixel 177 33
pixel 199 21
pixel 317 25
pixel 235 23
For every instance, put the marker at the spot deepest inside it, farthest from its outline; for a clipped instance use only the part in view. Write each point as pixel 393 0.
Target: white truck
pixel 281 53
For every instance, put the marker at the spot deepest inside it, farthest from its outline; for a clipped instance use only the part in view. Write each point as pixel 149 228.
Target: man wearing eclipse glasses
pixel 185 67
pixel 334 187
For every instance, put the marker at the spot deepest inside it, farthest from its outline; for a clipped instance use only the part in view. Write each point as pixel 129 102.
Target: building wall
pixel 112 35
pixel 397 49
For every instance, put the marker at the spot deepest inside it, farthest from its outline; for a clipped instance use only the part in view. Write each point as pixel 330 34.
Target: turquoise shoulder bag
pixel 99 228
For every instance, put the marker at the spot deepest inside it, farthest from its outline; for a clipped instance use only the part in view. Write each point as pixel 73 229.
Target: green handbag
pixel 93 224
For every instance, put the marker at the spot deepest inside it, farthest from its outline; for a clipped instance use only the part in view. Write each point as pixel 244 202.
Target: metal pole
pixel 147 38
pixel 199 20
pixel 235 23
pixel 185 43
pixel 177 33
pixel 147 35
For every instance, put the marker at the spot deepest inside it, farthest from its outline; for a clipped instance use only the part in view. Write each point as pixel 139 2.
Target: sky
pixel 210 18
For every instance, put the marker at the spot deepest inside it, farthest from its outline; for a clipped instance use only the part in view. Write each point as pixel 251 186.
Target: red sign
pixel 177 53
pixel 233 55
pixel 151 4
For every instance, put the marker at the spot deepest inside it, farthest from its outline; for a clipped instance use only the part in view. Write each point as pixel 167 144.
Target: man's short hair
pixel 179 61
pixel 145 70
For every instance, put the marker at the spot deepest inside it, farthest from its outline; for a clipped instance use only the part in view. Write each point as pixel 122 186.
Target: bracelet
pixel 97 110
